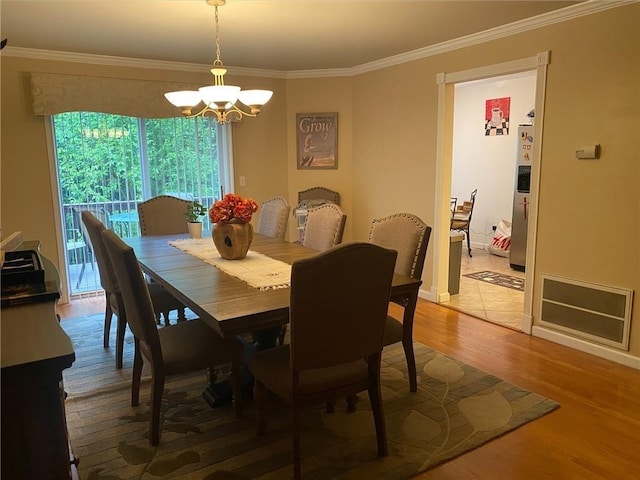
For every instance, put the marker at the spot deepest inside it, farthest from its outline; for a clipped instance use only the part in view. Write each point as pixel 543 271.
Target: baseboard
pixel 601 351
pixel 432 296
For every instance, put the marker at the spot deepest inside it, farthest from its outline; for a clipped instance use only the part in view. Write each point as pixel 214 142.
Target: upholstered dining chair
pixel 180 348
pixel 163 301
pixel 319 193
pixel 324 227
pixel 344 289
pixel 461 219
pixel 163 215
pixel 274 216
pixel 409 236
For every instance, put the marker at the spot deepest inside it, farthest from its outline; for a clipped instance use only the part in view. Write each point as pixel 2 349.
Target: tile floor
pixel 493 303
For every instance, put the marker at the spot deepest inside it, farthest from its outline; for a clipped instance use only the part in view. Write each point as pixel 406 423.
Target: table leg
pixel 220 394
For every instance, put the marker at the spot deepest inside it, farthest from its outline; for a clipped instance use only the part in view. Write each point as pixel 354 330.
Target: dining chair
pixel 337 310
pixel 80 245
pixel 163 215
pixel 324 227
pixel 409 236
pixel 274 216
pixel 319 193
pixel 461 220
pixel 180 348
pixel 163 301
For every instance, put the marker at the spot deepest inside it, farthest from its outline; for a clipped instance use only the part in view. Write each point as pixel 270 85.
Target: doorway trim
pixel 444 158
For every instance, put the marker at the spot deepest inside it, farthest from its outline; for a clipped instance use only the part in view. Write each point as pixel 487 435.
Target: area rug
pixel 498 279
pixel 457 408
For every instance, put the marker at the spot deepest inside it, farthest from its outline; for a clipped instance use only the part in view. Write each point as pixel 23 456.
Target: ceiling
pixel 276 35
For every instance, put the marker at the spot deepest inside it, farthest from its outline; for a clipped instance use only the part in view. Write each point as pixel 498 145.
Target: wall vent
pixel 594 312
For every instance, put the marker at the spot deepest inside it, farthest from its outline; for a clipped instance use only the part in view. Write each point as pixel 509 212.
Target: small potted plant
pixel 195 210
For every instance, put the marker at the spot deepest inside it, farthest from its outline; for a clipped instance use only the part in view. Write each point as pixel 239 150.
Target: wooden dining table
pixel 227 304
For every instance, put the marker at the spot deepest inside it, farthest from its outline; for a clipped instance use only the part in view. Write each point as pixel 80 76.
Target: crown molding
pixel 568 13
pixel 57 56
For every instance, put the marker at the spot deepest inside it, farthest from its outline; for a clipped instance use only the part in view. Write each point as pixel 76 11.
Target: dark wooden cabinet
pixel 35 443
pixel 34 352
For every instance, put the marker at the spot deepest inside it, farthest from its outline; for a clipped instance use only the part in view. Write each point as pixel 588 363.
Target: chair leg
pixel 121 327
pixel 84 263
pixel 136 373
pixel 181 316
pixel 375 397
pixel 108 315
pixel 157 387
pixel 407 345
pixel 283 334
pixel 331 406
pixel 468 241
pixel 352 400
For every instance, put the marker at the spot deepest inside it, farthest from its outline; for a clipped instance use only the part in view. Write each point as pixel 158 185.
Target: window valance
pixel 57 93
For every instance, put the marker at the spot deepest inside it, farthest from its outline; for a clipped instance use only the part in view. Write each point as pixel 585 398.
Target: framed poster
pixel 317 141
pixel 496 116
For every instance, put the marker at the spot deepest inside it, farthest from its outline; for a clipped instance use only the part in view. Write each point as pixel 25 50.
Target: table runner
pixel 256 269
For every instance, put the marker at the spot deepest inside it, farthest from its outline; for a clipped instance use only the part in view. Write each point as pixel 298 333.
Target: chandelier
pixel 219 99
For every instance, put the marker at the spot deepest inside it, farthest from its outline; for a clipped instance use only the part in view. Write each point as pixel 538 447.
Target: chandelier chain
pixel 217 62
pixel 219 100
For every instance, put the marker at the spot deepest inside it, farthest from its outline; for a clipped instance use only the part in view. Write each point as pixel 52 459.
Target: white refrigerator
pixel 521 204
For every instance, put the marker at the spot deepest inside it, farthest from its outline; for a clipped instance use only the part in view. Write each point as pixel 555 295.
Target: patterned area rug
pixel 457 408
pixel 498 279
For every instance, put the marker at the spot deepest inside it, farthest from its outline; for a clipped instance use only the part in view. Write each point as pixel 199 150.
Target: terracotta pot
pixel 232 239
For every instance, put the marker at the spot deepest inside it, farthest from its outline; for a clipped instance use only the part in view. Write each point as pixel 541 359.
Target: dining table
pixel 228 304
pixel 232 306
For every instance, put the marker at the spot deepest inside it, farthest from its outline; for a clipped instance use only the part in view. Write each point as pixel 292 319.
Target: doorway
pixel 444 170
pixel 484 159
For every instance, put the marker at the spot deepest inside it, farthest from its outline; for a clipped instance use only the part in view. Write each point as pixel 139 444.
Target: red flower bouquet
pixel 232 207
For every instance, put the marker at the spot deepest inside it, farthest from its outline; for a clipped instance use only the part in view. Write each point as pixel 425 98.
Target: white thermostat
pixel 590 151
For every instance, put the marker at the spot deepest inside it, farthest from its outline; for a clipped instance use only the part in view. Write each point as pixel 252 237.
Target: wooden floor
pixel 595 434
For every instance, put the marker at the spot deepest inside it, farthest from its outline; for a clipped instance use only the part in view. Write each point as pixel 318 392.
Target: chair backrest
pixel 324 227
pixel 97 212
pixel 163 215
pixel 462 215
pixel 408 235
pixel 452 206
pixel 339 302
pixel 274 216
pixel 133 288
pixel 319 193
pixel 94 228
pixel 472 199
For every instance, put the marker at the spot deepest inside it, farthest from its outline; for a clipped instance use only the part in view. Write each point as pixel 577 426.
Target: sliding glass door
pixel 108 163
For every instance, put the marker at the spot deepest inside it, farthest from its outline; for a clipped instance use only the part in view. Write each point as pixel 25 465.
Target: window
pixel 108 163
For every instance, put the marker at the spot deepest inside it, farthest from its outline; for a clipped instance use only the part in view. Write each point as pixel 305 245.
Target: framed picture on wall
pixel 496 116
pixel 317 141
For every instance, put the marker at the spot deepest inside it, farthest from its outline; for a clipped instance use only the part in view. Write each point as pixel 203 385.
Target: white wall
pixel 488 162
